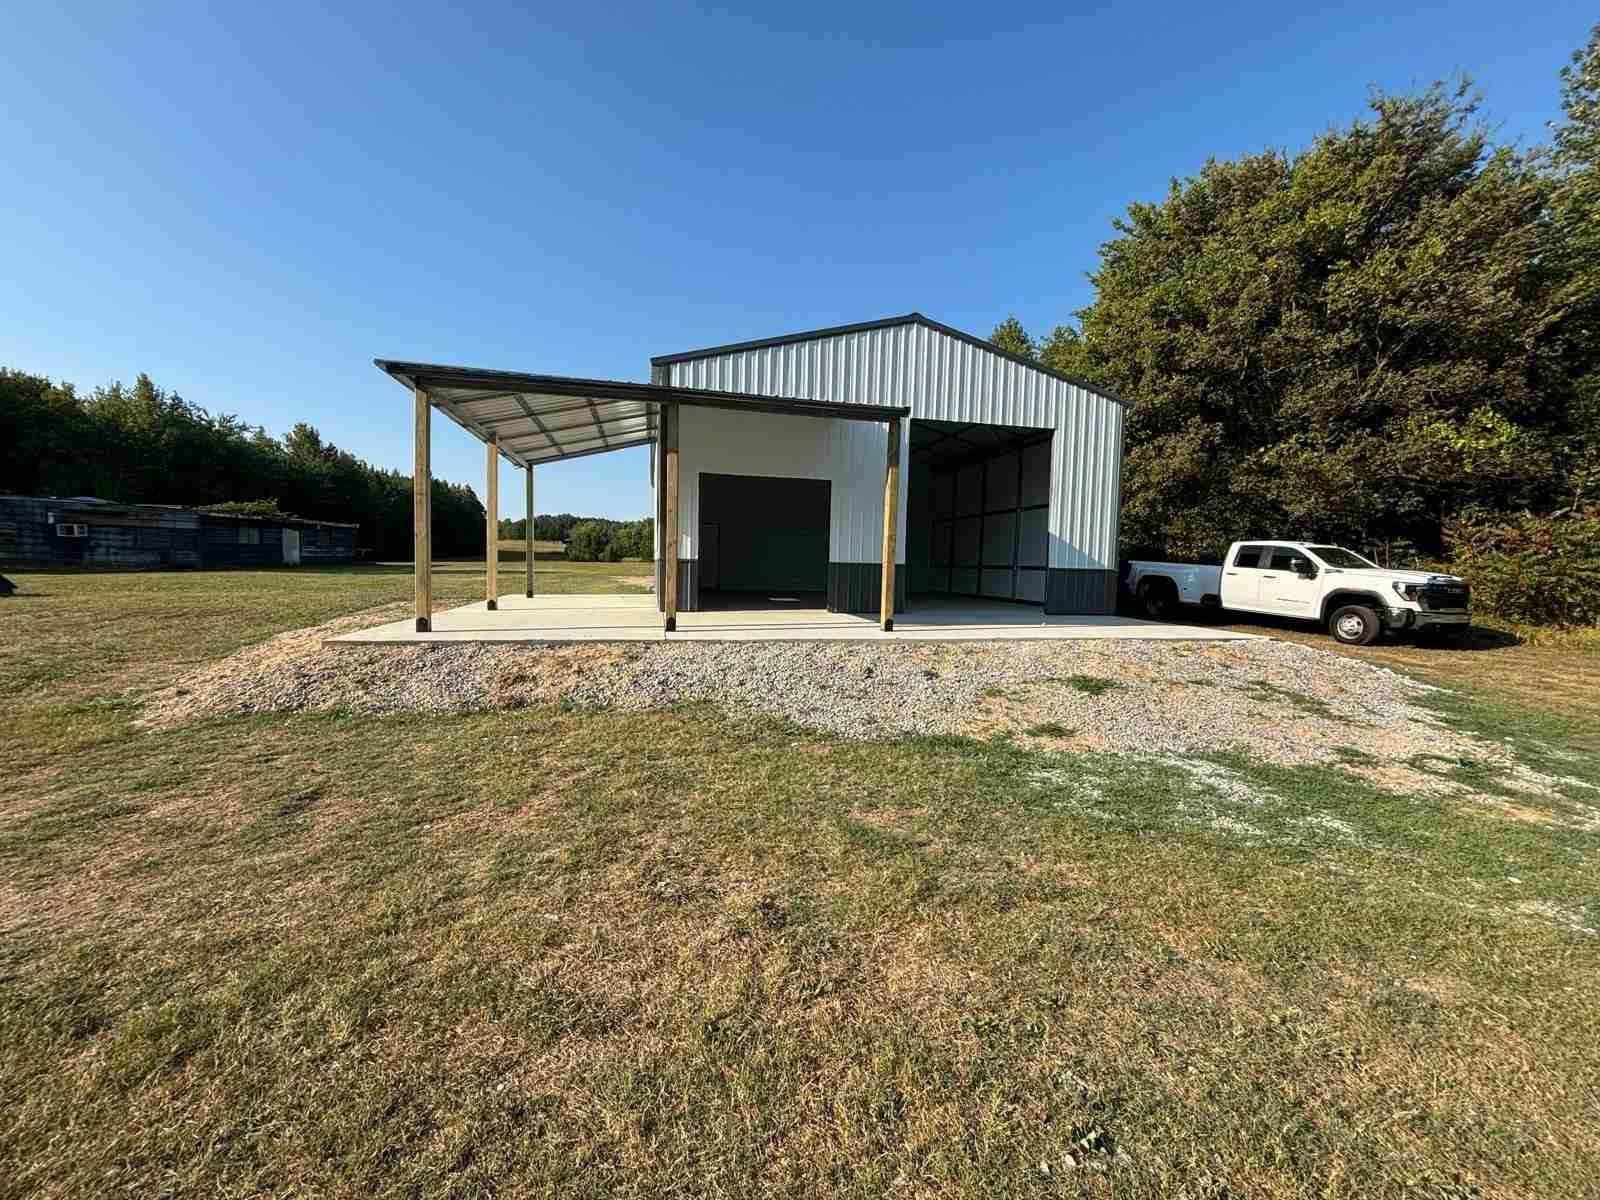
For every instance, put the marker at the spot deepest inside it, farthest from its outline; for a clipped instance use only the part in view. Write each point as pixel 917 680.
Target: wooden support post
pixel 891 513
pixel 491 515
pixel 528 568
pixel 422 513
pixel 669 496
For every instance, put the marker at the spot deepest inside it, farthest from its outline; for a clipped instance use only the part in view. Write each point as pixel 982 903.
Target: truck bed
pixel 1194 581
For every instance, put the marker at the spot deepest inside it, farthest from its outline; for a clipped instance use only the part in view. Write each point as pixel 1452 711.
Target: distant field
pixel 595 953
pixel 517 548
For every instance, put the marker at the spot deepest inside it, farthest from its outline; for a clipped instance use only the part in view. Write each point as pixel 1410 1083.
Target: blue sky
pixel 252 205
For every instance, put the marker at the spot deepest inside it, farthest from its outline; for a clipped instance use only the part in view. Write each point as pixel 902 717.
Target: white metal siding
pixel 849 454
pixel 945 379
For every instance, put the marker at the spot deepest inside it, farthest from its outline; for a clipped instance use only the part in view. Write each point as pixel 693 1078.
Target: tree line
pixel 547 527
pixel 142 444
pixel 1390 339
pixel 588 539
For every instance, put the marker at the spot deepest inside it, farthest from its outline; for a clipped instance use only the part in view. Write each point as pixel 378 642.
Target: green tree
pixel 1352 341
pixel 1574 252
pixel 590 541
pixel 1063 351
pixel 595 539
pixel 554 527
pixel 636 539
pixel 1011 337
pixel 47 440
pixel 143 444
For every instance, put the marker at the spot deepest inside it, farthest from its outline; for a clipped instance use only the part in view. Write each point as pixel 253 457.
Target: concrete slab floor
pixel 633 618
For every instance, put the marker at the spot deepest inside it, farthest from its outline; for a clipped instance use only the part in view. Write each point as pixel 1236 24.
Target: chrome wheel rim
pixel 1351 626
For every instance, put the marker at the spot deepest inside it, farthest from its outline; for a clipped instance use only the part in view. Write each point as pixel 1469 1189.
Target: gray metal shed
pixel 1013 471
pixel 88 531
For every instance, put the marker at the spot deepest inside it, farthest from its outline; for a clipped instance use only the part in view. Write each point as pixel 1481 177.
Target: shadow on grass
pixel 1476 637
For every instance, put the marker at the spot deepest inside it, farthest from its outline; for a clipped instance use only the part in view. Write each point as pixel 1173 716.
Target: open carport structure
pixel 533 419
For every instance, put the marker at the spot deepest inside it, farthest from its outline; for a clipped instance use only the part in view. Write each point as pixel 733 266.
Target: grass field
pixel 595 954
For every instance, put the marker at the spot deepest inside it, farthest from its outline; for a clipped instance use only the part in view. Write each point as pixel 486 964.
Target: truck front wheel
pixel 1354 625
pixel 1155 599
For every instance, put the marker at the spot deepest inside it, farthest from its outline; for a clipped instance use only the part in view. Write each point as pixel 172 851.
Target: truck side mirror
pixel 1305 568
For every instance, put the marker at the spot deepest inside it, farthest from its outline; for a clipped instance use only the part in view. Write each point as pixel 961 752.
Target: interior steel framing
pixel 984 512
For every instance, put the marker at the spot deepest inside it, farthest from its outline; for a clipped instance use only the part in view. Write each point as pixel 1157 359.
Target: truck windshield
pixel 1338 556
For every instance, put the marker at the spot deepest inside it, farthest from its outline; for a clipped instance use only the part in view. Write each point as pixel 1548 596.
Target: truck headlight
pixel 1406 591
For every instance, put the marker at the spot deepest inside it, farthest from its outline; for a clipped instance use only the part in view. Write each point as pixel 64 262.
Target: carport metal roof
pixel 547 418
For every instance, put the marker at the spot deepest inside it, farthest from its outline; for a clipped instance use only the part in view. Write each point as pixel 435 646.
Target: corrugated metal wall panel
pixel 340 546
pixel 946 379
pixel 857 587
pixel 849 454
pixel 1081 591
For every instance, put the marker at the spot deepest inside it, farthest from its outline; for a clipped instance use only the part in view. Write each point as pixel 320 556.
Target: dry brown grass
pixel 1556 673
pixel 547 676
pixel 560 973
pixel 538 952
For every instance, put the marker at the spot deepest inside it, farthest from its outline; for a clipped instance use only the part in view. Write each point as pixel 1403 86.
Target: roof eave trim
pixel 414 375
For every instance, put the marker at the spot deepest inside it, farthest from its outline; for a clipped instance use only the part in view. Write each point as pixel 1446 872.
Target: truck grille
pixel 1436 597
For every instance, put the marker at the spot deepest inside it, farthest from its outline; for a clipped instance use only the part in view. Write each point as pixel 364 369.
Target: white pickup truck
pixel 1353 598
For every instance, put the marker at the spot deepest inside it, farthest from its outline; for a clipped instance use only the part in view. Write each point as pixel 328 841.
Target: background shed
pixel 87 531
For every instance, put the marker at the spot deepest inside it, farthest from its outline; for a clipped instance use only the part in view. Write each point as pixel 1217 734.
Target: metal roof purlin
pixel 523 404
pixel 571 454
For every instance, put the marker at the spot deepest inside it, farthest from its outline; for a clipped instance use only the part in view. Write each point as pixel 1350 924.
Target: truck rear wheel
pixel 1354 625
pixel 1156 600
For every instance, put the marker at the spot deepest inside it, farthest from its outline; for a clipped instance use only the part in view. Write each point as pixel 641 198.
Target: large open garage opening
pixel 977 512
pixel 763 542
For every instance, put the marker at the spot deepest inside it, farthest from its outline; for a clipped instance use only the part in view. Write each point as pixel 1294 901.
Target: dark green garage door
pixel 763 534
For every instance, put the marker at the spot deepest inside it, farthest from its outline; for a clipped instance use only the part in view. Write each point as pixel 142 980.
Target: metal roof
pixel 547 418
pixel 911 318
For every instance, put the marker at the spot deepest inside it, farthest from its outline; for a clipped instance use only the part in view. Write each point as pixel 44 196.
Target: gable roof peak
pixel 910 318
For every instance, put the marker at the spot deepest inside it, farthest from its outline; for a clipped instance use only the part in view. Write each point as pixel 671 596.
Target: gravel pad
pixel 1281 701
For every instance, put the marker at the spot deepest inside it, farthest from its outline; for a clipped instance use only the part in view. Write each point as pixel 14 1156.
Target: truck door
pixel 1241 577
pixel 1284 589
